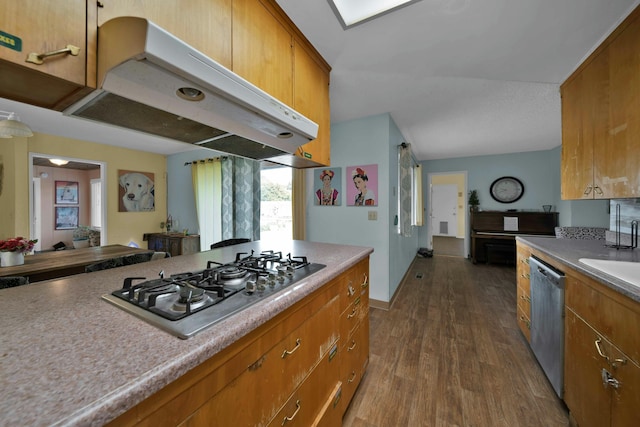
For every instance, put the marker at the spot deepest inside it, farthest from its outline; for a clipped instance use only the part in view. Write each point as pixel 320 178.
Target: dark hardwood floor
pixel 449 353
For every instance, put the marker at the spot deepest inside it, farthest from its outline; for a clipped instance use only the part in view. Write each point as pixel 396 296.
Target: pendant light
pixel 12 126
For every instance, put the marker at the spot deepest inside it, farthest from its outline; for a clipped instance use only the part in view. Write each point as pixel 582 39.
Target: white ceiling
pixel 459 77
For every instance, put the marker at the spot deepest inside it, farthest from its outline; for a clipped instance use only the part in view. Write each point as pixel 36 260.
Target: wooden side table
pixel 173 243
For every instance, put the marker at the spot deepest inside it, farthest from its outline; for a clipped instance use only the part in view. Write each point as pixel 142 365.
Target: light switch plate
pixel 373 215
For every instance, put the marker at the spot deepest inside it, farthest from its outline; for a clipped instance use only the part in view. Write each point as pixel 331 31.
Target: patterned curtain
pixel 240 198
pixel 206 177
pixel 405 163
pixel 298 205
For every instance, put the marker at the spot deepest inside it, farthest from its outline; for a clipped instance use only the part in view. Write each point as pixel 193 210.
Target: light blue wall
pixel 540 173
pixel 371 140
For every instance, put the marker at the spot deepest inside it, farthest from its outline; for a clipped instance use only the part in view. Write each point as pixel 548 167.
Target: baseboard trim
pixel 383 305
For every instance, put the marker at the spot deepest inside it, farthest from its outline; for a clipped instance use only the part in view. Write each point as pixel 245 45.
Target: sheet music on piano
pixel 510 223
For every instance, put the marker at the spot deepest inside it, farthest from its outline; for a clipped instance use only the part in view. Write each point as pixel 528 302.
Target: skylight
pixel 353 12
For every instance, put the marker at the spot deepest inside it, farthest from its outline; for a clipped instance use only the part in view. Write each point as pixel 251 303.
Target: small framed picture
pixel 363 185
pixel 328 185
pixel 66 193
pixel 66 217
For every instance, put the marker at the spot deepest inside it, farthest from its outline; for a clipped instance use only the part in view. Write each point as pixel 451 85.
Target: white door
pixel 444 210
pixel 36 226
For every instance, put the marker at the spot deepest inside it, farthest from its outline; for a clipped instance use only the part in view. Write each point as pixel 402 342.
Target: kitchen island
pixel 67 357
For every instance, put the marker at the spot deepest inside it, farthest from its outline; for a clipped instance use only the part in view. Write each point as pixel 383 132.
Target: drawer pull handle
pixel 353 377
pixel 350 291
pixel 365 283
pixel 352 346
pixel 288 352
pixel 525 275
pixel 605 357
pixel 38 58
pixel 526 322
pixel 284 421
pixel 353 313
pixel 526 298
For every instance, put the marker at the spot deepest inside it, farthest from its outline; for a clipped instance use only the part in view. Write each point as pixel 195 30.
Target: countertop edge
pixel 557 250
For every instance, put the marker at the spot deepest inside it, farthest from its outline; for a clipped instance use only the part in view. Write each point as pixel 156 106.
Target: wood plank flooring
pixel 449 353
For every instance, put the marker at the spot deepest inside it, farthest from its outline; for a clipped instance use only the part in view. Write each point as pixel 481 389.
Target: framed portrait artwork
pixel 362 187
pixel 66 217
pixel 66 193
pixel 327 187
pixel 136 191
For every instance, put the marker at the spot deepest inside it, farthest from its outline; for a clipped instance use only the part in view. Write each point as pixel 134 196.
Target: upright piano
pixel 493 233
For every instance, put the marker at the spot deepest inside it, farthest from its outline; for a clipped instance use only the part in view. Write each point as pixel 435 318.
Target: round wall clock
pixel 507 189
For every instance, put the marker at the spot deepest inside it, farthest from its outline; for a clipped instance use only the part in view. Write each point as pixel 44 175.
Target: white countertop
pixel 67 357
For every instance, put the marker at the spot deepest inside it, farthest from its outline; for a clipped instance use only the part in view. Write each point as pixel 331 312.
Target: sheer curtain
pixel 207 187
pixel 410 200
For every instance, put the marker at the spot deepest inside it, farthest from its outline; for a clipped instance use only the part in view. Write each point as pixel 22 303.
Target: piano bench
pixel 498 252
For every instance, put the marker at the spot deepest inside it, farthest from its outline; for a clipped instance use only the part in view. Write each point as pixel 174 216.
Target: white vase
pixel 9 259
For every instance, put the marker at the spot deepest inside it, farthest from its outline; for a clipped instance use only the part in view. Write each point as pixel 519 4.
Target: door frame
pixel 465 209
pixel 103 178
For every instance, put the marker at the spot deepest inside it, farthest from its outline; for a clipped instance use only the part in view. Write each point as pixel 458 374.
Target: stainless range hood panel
pixel 141 68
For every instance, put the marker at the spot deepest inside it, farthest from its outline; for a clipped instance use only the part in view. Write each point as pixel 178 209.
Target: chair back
pixel 229 242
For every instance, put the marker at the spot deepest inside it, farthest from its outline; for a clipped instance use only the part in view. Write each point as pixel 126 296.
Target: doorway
pixel 447 225
pixel 44 206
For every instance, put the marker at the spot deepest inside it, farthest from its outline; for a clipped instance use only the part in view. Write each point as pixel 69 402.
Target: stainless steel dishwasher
pixel 547 320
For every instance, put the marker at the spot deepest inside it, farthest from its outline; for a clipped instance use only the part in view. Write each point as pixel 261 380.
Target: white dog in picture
pixel 138 192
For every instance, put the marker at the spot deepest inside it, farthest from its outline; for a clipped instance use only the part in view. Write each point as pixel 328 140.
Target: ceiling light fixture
pixel 59 162
pixel 354 12
pixel 12 126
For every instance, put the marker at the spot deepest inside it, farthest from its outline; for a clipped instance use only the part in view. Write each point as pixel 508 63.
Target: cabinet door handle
pixel 38 58
pixel 284 421
pixel 350 291
pixel 526 298
pixel 609 380
pixel 353 377
pixel 353 313
pixel 525 276
pixel 288 352
pixel 365 282
pixel 598 190
pixel 352 346
pixel 605 357
pixel 587 190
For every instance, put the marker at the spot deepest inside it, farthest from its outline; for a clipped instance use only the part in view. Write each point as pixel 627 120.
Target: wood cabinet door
pixel 619 160
pixel 311 98
pixel 262 49
pixel 625 404
pixel 203 24
pixel 38 27
pixel 586 397
pixel 577 156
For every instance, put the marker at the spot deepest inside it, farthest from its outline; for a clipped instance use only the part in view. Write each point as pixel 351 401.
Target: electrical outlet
pixel 373 215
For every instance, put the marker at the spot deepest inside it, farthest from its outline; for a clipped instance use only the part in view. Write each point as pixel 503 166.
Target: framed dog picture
pixel 66 193
pixel 66 218
pixel 136 191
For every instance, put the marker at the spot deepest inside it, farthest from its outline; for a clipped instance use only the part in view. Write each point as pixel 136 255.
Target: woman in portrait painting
pixel 365 197
pixel 327 195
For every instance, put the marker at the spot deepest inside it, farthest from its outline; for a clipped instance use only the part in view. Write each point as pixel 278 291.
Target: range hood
pixel 152 82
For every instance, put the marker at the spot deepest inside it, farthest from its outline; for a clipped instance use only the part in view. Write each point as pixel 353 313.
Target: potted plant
pixel 12 250
pixel 81 237
pixel 474 201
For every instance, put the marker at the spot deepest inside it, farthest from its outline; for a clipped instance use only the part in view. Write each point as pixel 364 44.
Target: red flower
pixel 17 244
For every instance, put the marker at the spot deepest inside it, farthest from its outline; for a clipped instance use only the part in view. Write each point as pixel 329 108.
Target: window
pixel 275 203
pixel 353 12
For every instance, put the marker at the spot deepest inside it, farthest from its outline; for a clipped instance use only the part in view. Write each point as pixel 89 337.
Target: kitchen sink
pixel 623 270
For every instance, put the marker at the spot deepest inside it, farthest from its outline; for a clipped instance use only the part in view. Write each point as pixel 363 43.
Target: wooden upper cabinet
pixel 621 162
pixel 39 27
pixel 203 24
pixel 262 49
pixel 311 98
pixel 601 120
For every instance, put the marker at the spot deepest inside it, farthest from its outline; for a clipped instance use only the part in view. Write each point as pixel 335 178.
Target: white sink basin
pixel 623 270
